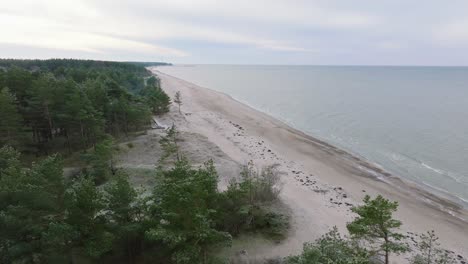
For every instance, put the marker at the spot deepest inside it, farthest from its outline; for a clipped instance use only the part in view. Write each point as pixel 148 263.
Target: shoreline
pixel 420 209
pixel 377 171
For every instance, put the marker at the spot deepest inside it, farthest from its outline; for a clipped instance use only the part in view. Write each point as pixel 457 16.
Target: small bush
pixel 331 248
pixel 272 225
pixel 130 145
pixel 261 186
pixel 430 251
pixel 243 207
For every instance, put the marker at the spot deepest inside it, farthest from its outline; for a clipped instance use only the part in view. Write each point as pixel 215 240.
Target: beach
pixel 320 182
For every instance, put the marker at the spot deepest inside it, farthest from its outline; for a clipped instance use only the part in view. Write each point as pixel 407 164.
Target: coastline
pixel 322 181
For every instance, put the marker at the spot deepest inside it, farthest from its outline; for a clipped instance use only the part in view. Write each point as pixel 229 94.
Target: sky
pixel 316 32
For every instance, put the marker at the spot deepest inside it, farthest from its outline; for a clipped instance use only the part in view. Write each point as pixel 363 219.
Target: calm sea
pixel 412 121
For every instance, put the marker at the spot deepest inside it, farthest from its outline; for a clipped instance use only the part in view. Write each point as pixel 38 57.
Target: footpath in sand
pixel 321 183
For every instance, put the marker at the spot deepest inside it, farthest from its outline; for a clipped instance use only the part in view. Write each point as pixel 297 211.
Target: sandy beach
pixel 321 183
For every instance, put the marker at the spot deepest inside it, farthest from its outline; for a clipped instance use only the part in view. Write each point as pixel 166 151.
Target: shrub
pixel 261 186
pixel 272 225
pixel 244 205
pixel 430 251
pixel 331 248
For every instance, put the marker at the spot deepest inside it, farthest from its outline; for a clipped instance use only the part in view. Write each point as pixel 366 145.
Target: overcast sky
pixel 369 32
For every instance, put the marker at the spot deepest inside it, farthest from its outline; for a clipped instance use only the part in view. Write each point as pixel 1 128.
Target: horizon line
pixel 246 64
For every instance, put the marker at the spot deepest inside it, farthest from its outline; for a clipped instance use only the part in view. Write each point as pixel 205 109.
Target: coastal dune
pixel 321 182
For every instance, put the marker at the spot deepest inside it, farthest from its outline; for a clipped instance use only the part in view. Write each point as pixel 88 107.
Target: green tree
pixel 101 160
pixel 120 196
pixel 126 216
pixel 152 81
pixel 30 200
pixel 169 144
pixel 243 206
pixel 19 81
pixel 184 202
pixel 10 119
pixel 79 117
pixel 139 115
pixel 261 185
pixel 376 225
pixel 57 242
pixel 2 78
pixel 84 205
pixel 97 93
pixel 73 103
pixel 331 248
pixel 44 90
pixel 157 99
pixel 430 251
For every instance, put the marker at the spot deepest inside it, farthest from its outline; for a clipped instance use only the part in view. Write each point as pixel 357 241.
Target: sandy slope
pixel 321 183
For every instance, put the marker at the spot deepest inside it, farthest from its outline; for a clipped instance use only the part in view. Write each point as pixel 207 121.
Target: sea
pixel 410 121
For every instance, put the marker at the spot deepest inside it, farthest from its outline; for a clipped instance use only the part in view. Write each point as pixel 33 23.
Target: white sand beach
pixel 320 183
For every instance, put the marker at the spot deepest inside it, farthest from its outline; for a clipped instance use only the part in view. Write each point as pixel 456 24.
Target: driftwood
pixel 158 125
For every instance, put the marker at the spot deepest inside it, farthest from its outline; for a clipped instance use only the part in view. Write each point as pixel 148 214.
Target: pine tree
pixel 331 248
pixel 125 216
pixel 10 119
pixel 101 160
pixel 30 200
pixel 430 251
pixel 73 103
pixel 152 81
pixel 84 205
pixel 19 81
pixel 376 225
pixel 169 144
pixel 44 89
pixel 185 202
pixel 157 99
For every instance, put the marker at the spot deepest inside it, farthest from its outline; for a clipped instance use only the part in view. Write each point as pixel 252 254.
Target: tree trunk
pixel 8 134
pixel 429 253
pixel 387 253
pixel 34 135
pixel 82 134
pixel 113 169
pixel 126 125
pixel 204 256
pixel 129 250
pixel 94 139
pixel 49 120
pixel 116 125
pixel 70 255
pixel 68 142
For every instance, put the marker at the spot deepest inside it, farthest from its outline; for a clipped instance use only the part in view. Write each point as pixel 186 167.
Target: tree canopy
pixel 59 105
pixel 376 225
